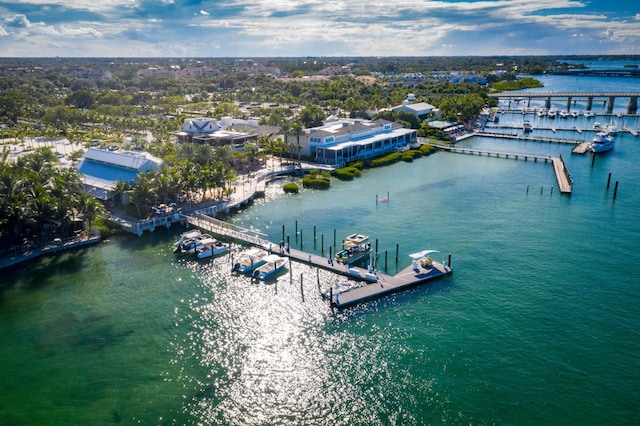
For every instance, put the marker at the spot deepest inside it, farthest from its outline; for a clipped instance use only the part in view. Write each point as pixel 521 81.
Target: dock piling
pixel 385 261
pixel 449 261
pixel 609 180
pixel 322 244
pixel 301 288
pixel 615 191
pixel 593 159
pixel 318 279
pixel 296 229
pixel 301 245
pixel 397 249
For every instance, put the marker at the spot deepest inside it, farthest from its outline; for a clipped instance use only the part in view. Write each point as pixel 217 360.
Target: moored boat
pixel 251 260
pixel 189 235
pixel 526 126
pixel 190 245
pixel 355 248
pixel 589 114
pixel 338 288
pixel 272 266
pixel 602 142
pixel 210 247
pixel 574 114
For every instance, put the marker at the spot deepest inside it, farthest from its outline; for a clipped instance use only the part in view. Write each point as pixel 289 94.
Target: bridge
pixel 632 106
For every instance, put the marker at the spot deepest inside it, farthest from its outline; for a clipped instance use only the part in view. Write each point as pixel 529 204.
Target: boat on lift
pixel 210 247
pixel 355 248
pixel 272 266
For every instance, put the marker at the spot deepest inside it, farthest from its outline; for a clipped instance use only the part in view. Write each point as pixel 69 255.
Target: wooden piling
pixel 334 238
pixel 615 191
pixel 301 245
pixel 449 261
pixel 527 189
pixel 301 288
pixel 609 180
pixel 314 233
pixel 593 158
pixel 322 244
pixel 385 261
pixel 318 279
pixel 282 232
pixel 541 189
pixel 397 249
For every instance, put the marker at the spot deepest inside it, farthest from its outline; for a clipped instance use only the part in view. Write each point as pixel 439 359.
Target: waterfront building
pixel 215 133
pixel 338 142
pixel 101 169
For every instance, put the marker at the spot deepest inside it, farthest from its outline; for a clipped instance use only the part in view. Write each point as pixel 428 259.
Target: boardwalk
pixel 379 284
pixel 522 137
pixel 559 167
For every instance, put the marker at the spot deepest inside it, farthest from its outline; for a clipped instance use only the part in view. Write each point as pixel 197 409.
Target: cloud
pixel 17 21
pixel 204 13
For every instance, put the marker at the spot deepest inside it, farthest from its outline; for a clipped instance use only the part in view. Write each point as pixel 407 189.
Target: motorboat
pixel 574 114
pixel 272 266
pixel 552 113
pixel 210 247
pixel 190 245
pixel 354 248
pixel 421 261
pixel 526 126
pixel 589 114
pixel 189 235
pixel 564 114
pixel 250 260
pixel 602 142
pixel 541 112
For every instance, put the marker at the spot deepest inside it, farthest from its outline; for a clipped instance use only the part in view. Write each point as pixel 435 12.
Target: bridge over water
pixel 610 97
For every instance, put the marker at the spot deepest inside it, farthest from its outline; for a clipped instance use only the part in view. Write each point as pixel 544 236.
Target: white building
pixel 101 169
pixel 421 109
pixel 342 141
pixel 215 133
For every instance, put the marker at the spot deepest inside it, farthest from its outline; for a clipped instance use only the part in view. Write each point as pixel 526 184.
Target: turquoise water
pixel 538 324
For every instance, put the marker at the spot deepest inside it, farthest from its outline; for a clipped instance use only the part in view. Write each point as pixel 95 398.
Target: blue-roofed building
pixel 101 169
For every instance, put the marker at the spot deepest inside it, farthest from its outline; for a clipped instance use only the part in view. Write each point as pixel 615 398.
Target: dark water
pixel 538 324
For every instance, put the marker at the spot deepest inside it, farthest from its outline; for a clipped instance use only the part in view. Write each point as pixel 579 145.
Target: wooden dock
pixel 379 284
pixel 387 284
pixel 559 167
pixel 526 137
pixel 515 156
pixel 581 148
pixel 562 175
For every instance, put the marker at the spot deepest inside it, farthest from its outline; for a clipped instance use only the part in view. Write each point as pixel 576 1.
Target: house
pixel 215 133
pixel 91 73
pixel 421 109
pixel 338 142
pixel 101 169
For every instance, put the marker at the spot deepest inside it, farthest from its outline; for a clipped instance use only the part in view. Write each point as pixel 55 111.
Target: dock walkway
pixel 379 284
pixel 559 167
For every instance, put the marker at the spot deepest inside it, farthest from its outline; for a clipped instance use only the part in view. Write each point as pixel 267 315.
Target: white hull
pixel 602 143
pixel 253 259
pixel 270 269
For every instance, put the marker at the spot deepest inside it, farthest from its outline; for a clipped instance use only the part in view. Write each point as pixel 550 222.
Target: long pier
pixel 522 137
pixel 559 166
pixel 378 284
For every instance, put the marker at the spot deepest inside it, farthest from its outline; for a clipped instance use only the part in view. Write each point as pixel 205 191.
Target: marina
pixel 380 284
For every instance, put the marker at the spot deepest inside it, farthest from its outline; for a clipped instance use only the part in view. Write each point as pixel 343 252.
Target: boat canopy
pixel 207 241
pixel 271 258
pixel 422 254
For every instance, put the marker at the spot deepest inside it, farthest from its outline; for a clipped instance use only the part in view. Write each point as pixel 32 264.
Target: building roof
pixel 418 108
pixel 130 160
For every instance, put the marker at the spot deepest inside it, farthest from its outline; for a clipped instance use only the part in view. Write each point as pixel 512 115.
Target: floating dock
pixel 379 284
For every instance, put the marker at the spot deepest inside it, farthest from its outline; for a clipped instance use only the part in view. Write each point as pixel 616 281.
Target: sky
pixel 280 28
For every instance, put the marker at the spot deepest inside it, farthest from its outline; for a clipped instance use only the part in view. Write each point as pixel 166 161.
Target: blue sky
pixel 252 28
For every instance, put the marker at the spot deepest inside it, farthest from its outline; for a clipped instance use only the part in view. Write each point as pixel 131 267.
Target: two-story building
pixel 339 142
pixel 215 133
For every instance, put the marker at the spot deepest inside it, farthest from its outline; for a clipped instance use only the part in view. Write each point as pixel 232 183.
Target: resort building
pixel 422 109
pixel 339 142
pixel 102 169
pixel 214 133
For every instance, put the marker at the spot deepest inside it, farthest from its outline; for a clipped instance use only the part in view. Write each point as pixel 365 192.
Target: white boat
pixel 541 112
pixel 602 142
pixel 190 245
pixel 552 113
pixel 210 247
pixel 421 260
pixel 526 126
pixel 272 266
pixel 564 114
pixel 589 114
pixel 611 129
pixel 251 260
pixel 574 114
pixel 189 235
pixel 355 248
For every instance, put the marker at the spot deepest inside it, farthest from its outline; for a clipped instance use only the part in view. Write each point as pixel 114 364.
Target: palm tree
pixel 89 208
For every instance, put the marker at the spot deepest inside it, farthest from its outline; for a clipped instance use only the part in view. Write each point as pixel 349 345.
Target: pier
pixel 559 167
pixel 525 137
pixel 378 284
